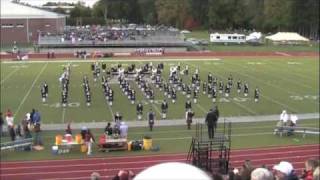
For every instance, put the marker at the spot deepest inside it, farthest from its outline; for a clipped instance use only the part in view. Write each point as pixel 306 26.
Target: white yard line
pixel 262 81
pixel 241 106
pixel 279 103
pixel 202 108
pixel 246 108
pixel 63 114
pixel 266 97
pixel 110 109
pixel 282 53
pixel 277 77
pixel 29 91
pixel 9 75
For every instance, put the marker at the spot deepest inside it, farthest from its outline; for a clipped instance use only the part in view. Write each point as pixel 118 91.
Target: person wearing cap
pixel 284 171
pixel 123 130
pixel 261 174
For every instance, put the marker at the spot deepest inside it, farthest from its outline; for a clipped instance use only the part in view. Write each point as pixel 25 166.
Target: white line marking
pixel 133 161
pixel 272 147
pixel 282 53
pixel 266 97
pixel 34 82
pixel 9 75
pixel 277 102
pixel 96 164
pixel 142 162
pixel 222 77
pixel 80 171
pixel 110 109
pixel 63 114
pixel 202 108
pixel 276 77
pixel 262 81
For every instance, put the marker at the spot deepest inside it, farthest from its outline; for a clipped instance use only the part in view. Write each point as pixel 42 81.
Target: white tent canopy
pixel 287 36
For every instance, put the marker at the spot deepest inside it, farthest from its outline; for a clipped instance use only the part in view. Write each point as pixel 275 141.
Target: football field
pixel 290 83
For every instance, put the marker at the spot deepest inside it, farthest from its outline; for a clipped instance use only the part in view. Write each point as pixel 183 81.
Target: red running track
pixel 109 166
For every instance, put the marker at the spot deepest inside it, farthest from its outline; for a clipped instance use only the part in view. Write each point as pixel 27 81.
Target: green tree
pixel 276 16
pixel 148 11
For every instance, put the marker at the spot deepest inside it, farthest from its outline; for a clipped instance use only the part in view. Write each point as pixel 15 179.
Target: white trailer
pixel 227 38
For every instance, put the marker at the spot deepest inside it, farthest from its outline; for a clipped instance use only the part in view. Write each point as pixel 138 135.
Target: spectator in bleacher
pixel 123 130
pixel 261 174
pixel 10 124
pixel 1 123
pixel 284 171
pixel 310 166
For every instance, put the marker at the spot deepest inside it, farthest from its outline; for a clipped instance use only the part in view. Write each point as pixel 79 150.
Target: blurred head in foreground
pixel 172 171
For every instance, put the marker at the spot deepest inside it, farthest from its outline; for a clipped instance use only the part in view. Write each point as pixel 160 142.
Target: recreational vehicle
pixel 227 38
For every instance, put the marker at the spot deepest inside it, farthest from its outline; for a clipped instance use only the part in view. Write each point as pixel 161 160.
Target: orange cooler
pixel 78 138
pixel 58 139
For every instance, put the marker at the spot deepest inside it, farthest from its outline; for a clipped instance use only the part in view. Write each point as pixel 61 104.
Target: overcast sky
pixel 41 2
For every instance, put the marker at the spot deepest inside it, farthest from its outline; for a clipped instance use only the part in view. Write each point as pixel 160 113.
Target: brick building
pixel 22 23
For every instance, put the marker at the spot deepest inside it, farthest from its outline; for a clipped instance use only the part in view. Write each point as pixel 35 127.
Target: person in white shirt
pixel 293 119
pixel 284 117
pixel 123 130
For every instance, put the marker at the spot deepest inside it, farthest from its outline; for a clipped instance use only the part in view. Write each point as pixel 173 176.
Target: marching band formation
pixel 150 78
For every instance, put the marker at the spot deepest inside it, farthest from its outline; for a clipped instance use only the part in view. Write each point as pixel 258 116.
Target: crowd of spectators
pixel 22 130
pixel 102 34
pixel 282 171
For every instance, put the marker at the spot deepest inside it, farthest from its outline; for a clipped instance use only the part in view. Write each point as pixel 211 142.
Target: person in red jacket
pixel 310 166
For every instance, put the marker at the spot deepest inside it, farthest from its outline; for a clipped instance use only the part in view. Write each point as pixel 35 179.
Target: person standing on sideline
pixel 211 121
pixel 151 119
pixel 10 124
pixel 123 130
pixel 89 139
pixel 189 116
pixel 37 135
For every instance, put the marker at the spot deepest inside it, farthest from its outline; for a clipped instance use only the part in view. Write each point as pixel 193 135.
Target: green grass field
pixel 285 83
pixel 289 83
